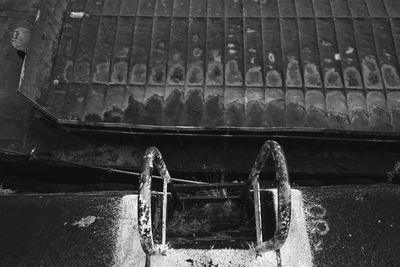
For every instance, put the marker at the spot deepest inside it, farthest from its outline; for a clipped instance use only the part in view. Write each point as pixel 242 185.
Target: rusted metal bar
pixel 284 196
pixel 164 212
pixel 257 212
pixel 152 158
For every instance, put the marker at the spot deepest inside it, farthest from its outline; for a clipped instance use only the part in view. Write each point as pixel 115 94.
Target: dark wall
pixel 23 128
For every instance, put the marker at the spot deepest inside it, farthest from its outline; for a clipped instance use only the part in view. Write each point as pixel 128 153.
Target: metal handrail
pixel 284 196
pixel 152 158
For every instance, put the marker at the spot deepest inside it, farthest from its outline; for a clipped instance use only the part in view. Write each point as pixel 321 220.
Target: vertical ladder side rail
pixel 152 159
pixel 284 196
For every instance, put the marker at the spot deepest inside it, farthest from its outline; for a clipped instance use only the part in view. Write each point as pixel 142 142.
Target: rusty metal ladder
pixel 153 159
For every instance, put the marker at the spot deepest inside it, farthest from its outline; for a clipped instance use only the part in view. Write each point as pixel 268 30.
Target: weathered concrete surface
pixel 69 230
pixel 333 226
pixel 183 65
pixel 101 230
pixel 351 226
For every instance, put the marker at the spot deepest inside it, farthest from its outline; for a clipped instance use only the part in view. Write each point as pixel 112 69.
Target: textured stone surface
pixel 70 230
pixel 330 226
pixel 351 226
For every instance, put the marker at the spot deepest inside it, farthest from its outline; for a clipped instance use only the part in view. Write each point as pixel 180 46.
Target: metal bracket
pixel 284 196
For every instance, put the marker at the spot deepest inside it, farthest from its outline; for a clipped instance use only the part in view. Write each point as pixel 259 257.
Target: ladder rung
pixel 208 186
pixel 209 198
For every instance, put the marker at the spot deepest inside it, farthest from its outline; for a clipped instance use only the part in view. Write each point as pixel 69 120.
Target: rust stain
pixel 332 79
pixel 233 76
pixel 293 77
pixel 254 76
pixel 274 79
pixel 138 75
pixel 284 208
pixel 371 74
pixel 151 159
pixel 195 75
pixel 234 113
pixel 134 113
pixel 214 69
pixel 176 74
pixel 154 110
pixel 214 111
pixel 312 78
pixel 352 78
pixel 194 107
pixel 157 75
pixel 254 113
pixel 113 115
pixel 174 107
pixel 390 77
pixel 119 74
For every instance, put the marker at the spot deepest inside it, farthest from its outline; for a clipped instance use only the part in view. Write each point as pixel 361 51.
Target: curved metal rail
pixel 152 158
pixel 284 196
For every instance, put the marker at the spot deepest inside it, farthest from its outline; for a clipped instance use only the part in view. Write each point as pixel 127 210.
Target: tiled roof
pixel 246 64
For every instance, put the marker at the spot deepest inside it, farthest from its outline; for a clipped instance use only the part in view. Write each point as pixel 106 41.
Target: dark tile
pixel 322 8
pixel 329 51
pixel 196 53
pixel 159 51
pixel 198 8
pixel 304 8
pixel 254 73
pixel 393 8
pixel 272 52
pixel 215 8
pixel 233 52
pixel 140 50
pixel 164 8
pixel 146 7
pixel 358 8
pixel 177 58
pixel 291 53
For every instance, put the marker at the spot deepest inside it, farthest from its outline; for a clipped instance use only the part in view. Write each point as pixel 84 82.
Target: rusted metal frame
pixel 284 196
pixel 152 158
